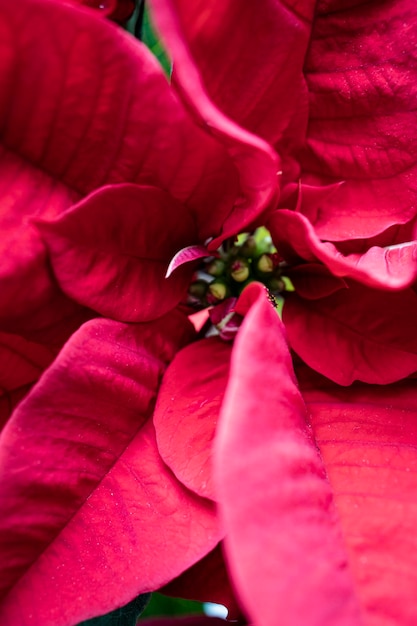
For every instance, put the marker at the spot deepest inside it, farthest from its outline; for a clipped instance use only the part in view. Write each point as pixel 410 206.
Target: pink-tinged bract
pixel 257 163
pixel 314 483
pixel 361 76
pixel 308 534
pixel 252 75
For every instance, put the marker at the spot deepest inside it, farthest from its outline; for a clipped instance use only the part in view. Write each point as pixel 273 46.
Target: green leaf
pixel 165 605
pixel 140 26
pixel 152 41
pixel 125 616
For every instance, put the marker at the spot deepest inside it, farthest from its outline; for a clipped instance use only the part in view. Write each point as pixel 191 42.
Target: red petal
pixel 250 58
pixel 363 97
pixel 392 267
pixel 283 544
pixel 355 334
pixel 187 409
pixel 81 471
pixel 368 439
pixel 111 251
pixel 256 162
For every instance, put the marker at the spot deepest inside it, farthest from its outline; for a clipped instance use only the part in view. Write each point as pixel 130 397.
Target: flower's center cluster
pixel 222 277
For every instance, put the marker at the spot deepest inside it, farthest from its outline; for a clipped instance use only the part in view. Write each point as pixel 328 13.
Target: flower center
pixel 222 277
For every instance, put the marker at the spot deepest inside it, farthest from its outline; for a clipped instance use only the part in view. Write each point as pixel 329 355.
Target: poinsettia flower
pixel 91 465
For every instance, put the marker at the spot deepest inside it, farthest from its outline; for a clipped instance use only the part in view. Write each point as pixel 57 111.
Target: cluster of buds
pixel 250 257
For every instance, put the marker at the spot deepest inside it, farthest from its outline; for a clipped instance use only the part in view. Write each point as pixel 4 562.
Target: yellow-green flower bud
pixel 265 264
pixel 216 267
pixel 218 290
pixel 239 270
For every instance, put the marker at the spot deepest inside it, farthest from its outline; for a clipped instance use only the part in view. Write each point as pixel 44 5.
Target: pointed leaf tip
pixel 186 255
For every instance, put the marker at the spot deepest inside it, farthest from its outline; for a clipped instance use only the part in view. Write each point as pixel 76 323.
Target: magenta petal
pixel 355 334
pixel 392 267
pixel 368 439
pixel 31 301
pixel 283 542
pixel 26 283
pixel 111 251
pixel 72 77
pixel 363 97
pixel 187 410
